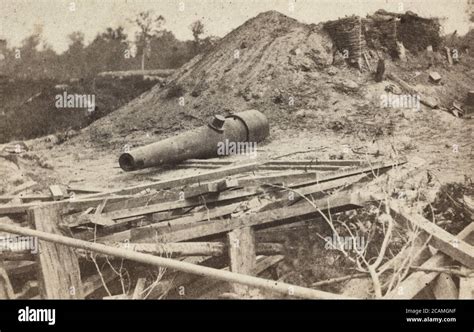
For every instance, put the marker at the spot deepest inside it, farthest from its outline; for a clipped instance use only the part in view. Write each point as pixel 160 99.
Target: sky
pixel 58 18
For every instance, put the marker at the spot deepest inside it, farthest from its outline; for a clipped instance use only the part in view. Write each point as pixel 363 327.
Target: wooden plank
pixel 342 201
pixel 6 289
pixel 280 162
pixel 139 289
pixel 94 282
pixel 446 242
pixel 242 255
pixel 58 268
pixel 416 281
pixel 178 223
pixel 25 198
pixel 309 178
pixel 444 288
pixel 466 286
pixel 56 192
pixel 150 209
pixel 70 204
pixel 270 167
pixel 184 181
pixel 289 197
pixel 205 288
pixel 209 188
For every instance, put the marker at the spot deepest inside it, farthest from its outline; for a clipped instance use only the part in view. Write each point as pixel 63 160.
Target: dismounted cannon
pixel 239 129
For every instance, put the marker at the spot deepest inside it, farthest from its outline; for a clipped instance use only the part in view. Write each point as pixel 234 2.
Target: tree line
pixel 153 47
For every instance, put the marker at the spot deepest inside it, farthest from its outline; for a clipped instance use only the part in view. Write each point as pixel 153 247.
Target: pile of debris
pixel 201 233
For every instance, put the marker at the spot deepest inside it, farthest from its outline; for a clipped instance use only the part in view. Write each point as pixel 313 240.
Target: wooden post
pixel 242 255
pixel 58 267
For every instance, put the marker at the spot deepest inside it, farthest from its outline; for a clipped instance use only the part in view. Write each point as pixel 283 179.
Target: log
pixel 270 285
pixel 411 90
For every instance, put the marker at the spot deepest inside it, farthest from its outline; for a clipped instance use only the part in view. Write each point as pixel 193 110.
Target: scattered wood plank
pixel 184 181
pixel 416 281
pixel 139 233
pixel 209 188
pixel 448 243
pixel 59 273
pixel 308 178
pixel 25 198
pixel 341 201
pixel 65 205
pixel 283 162
pixel 150 209
pixel 270 285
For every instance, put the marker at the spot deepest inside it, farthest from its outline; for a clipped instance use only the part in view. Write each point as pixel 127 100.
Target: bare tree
pixel 150 25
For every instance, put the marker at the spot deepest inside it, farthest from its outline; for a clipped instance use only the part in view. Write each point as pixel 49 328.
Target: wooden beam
pixel 69 204
pixel 416 281
pixel 184 181
pixel 270 285
pixel 58 267
pixel 150 209
pixel 207 289
pixel 446 242
pixel 466 287
pixel 334 203
pixel 309 178
pixel 139 289
pixel 242 255
pixel 171 225
pixel 56 192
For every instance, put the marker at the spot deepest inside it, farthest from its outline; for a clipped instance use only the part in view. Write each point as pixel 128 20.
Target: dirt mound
pixel 272 63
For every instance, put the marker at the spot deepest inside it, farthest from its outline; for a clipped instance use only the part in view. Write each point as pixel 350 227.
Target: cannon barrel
pixel 245 127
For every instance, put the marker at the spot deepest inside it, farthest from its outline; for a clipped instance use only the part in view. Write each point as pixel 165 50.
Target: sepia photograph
pixel 232 150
